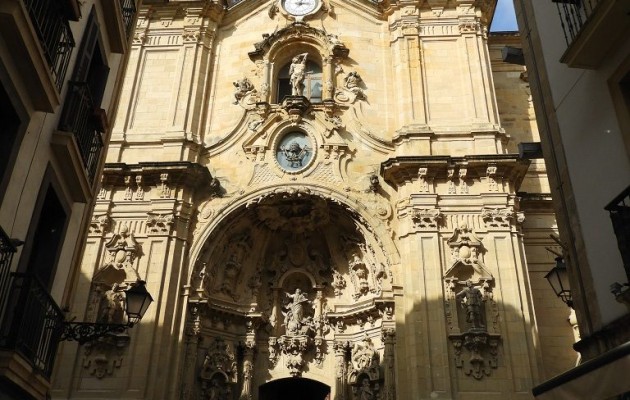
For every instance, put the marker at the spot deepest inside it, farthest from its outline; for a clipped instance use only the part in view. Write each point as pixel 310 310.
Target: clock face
pixel 299 8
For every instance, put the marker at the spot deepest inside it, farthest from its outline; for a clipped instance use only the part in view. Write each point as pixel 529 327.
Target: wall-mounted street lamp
pixel 137 301
pixel 558 278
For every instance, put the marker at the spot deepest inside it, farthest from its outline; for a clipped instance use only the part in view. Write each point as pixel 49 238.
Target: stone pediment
pixel 298 31
pixel 467 264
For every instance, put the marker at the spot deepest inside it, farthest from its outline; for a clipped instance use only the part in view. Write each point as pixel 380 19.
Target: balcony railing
pixel 7 249
pixel 53 31
pixel 85 121
pixel 32 323
pixel 128 8
pixel 619 210
pixel 573 16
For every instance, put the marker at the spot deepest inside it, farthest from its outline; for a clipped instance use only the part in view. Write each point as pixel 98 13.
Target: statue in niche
pixel 219 371
pixel 297 72
pixel 236 251
pixel 471 299
pixel 365 374
pixel 218 390
pixel 365 391
pixel 112 310
pixel 294 318
pixel 338 283
pixel 359 273
pixel 243 88
pixel 229 277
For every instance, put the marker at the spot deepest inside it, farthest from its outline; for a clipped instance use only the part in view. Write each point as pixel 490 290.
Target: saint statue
pixel 472 301
pixel 294 317
pixel 243 88
pixel 365 391
pixel 297 72
pixel 113 306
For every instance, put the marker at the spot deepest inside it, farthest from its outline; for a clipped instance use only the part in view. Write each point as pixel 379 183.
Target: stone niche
pixel 117 273
pixel 471 312
pixel 298 287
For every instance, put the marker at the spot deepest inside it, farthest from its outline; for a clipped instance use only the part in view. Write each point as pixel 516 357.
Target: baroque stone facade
pixel 321 197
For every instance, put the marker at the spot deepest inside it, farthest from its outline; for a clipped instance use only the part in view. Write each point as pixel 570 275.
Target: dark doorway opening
pixel 47 239
pixel 294 388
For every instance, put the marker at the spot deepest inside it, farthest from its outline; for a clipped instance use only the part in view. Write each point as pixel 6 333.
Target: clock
pixel 300 8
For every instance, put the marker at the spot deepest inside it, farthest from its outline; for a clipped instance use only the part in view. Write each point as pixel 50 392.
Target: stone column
pixel 192 339
pixel 275 312
pixel 328 76
pixel 340 348
pixel 389 380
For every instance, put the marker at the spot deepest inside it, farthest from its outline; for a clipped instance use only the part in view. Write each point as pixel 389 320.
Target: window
pixel 312 82
pixel 91 67
pixel 82 114
pixel 45 236
pixel 9 138
pixel 619 85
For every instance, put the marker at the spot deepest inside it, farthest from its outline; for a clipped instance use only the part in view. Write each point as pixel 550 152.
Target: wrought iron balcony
pixel 53 31
pixel 7 249
pixel 32 323
pixel 120 15
pixel 619 210
pixel 573 16
pixel 592 28
pixel 86 122
pixel 128 8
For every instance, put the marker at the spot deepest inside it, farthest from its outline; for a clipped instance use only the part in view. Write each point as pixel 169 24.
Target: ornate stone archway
pixel 293 285
pixel 292 388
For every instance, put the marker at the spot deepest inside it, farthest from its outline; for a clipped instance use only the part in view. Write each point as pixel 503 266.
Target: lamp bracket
pixel 84 332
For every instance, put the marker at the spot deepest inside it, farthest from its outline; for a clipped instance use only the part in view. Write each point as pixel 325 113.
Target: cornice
pixel 182 173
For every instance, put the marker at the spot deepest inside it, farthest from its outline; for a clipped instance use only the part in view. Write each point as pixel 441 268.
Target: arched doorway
pixel 293 289
pixel 294 388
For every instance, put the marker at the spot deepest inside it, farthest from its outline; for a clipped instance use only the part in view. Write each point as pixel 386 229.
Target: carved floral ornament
pixel 99 224
pixel 501 217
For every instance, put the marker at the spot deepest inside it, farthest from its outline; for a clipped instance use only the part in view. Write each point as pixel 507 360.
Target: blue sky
pixel 504 18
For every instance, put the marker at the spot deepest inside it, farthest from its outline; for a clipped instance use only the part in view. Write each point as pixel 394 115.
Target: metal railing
pixel 32 323
pixel 573 16
pixel 619 210
pixel 7 250
pixel 128 8
pixel 53 31
pixel 80 117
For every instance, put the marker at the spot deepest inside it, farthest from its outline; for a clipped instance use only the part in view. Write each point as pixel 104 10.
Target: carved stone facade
pixel 312 211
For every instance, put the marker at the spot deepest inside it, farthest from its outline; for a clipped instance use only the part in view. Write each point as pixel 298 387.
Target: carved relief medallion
pixel 294 151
